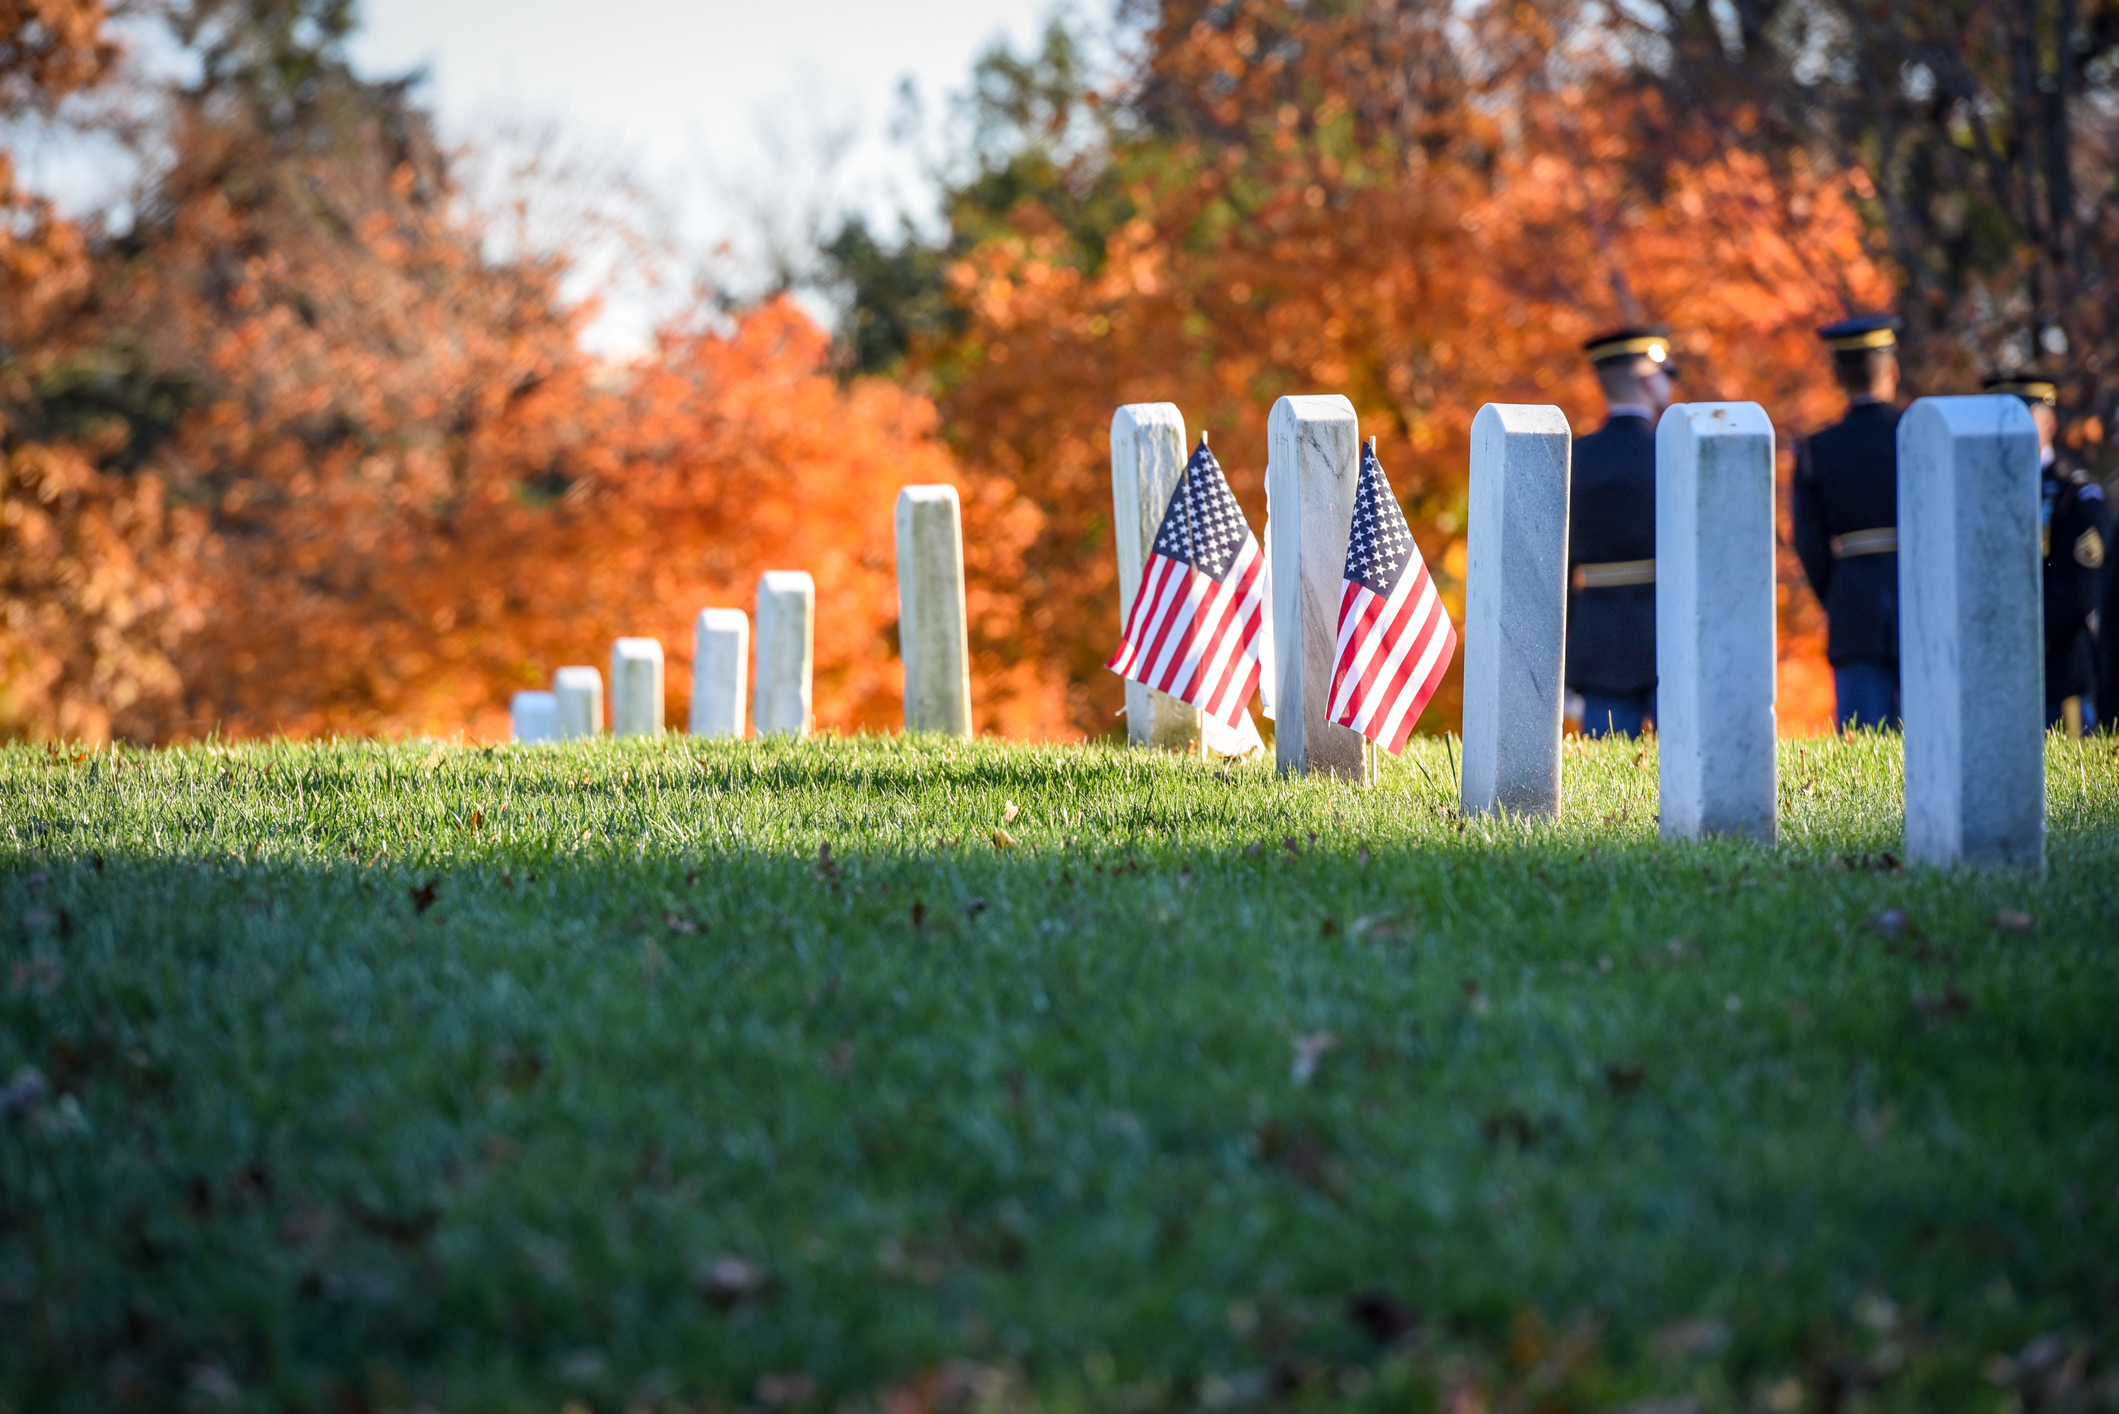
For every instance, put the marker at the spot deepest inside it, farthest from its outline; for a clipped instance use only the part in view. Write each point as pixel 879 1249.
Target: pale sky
pixel 722 109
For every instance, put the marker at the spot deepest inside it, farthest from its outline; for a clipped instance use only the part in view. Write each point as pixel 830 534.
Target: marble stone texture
pixel 1971 636
pixel 720 672
pixel 1313 467
pixel 932 639
pixel 787 613
pixel 636 687
pixel 1148 455
pixel 1716 647
pixel 534 716
pixel 1515 609
pixel 579 691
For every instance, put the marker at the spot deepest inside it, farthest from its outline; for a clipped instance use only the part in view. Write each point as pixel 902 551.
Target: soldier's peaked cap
pixel 1868 331
pixel 2028 386
pixel 1652 344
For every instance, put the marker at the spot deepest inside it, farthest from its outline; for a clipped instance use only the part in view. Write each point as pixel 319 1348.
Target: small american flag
pixel 1194 628
pixel 1395 641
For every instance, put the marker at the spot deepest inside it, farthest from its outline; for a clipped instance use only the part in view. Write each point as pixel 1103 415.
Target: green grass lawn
pixel 674 1074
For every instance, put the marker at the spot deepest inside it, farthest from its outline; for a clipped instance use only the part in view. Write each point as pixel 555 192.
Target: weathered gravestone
pixel 1313 468
pixel 787 611
pixel 579 692
pixel 720 671
pixel 534 717
pixel 1515 609
pixel 932 641
pixel 1148 457
pixel 636 687
pixel 1971 634
pixel 1715 620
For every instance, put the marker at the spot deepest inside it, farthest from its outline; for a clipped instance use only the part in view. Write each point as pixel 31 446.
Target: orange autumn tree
pixel 407 491
pixel 96 590
pixel 719 457
pixel 1342 200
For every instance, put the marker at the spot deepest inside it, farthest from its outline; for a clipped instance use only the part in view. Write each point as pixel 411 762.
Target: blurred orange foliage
pixel 300 455
pixel 1323 227
pixel 403 489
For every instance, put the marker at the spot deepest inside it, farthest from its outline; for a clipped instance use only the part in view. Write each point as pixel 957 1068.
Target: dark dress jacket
pixel 2108 644
pixel 1611 517
pixel 2077 534
pixel 1846 479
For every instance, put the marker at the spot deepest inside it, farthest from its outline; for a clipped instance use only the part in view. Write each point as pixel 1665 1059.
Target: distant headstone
pixel 787 611
pixel 720 671
pixel 636 687
pixel 1971 634
pixel 579 692
pixel 534 716
pixel 1313 468
pixel 1148 455
pixel 1515 609
pixel 932 640
pixel 1715 621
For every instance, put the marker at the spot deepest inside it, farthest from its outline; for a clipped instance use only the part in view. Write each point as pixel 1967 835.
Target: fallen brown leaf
pixel 778 1390
pixel 726 1280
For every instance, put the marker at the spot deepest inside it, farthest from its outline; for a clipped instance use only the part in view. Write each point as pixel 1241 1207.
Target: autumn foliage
pixel 297 456
pixel 1362 218
pixel 300 453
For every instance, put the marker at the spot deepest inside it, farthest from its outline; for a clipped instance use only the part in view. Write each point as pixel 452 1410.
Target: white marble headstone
pixel 636 687
pixel 579 691
pixel 1715 620
pixel 932 638
pixel 534 716
pixel 787 611
pixel 1515 609
pixel 1971 637
pixel 720 672
pixel 1148 454
pixel 1313 467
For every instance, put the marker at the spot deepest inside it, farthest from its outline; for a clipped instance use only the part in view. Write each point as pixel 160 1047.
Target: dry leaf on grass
pixel 727 1280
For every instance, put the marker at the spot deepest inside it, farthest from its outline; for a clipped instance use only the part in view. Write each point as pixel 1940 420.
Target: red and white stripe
pixel 1391 656
pixel 1196 637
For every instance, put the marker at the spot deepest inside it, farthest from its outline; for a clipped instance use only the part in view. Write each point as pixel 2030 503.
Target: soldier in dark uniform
pixel 1846 522
pixel 2108 644
pixel 2108 640
pixel 2074 527
pixel 1611 537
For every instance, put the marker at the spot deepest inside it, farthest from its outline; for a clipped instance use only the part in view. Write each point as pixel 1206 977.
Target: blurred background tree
pixel 1424 206
pixel 1984 134
pixel 310 444
pixel 405 489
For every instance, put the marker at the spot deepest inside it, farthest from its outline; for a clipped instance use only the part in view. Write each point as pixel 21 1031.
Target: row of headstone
pixel 720 671
pixel 933 639
pixel 1968 569
pixel 1969 587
